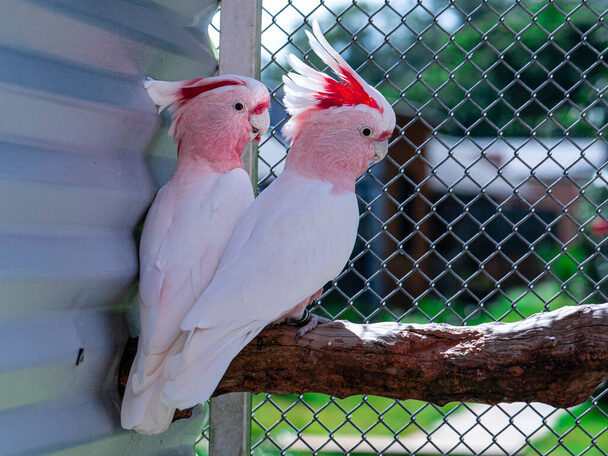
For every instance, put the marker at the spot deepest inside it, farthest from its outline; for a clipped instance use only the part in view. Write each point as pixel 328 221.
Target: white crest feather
pixel 163 93
pixel 304 84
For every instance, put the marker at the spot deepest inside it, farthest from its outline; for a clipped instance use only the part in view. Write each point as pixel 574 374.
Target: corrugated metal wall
pixel 79 165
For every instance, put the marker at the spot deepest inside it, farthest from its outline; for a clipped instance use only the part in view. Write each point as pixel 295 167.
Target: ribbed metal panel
pixel 79 166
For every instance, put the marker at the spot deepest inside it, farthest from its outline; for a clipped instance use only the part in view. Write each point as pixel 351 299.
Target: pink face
pixel 337 145
pixel 215 125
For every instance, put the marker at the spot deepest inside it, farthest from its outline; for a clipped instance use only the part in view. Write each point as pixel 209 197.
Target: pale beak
pixel 381 148
pixel 259 125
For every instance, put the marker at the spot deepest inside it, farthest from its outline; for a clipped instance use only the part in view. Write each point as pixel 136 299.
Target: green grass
pixel 584 428
pixel 515 305
pixel 583 431
pixel 340 417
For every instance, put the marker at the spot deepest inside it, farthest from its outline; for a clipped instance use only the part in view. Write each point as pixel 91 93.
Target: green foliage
pixel 501 68
pixel 492 73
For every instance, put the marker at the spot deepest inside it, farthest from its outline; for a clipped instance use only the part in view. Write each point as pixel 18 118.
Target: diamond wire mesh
pixel 488 207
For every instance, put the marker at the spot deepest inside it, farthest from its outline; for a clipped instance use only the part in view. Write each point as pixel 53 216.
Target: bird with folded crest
pixel 190 223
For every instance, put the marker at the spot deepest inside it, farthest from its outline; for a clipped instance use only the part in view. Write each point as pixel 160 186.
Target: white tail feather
pixel 206 360
pixel 147 368
pixel 142 408
pixel 145 412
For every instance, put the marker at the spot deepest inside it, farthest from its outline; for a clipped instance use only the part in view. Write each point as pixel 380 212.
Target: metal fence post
pixel 240 31
pixel 240 48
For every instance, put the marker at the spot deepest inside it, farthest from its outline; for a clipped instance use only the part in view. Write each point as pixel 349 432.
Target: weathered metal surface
pixel 81 158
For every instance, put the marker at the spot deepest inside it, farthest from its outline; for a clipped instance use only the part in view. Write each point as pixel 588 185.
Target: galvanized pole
pixel 240 35
pixel 240 47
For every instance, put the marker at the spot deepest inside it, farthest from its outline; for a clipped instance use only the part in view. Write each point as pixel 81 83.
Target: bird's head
pixel 214 118
pixel 343 125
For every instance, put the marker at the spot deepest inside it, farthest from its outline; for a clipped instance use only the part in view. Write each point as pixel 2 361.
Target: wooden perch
pixel 558 358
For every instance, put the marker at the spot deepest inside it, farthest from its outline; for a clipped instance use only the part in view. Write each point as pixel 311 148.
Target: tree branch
pixel 558 358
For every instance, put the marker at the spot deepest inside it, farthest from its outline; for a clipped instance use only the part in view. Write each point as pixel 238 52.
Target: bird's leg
pixel 312 323
pixel 300 316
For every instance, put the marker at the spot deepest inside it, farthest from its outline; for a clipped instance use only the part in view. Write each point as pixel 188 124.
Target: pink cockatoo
pixel 189 223
pixel 299 233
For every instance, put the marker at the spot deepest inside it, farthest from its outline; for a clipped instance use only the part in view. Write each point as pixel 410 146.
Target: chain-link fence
pixel 488 207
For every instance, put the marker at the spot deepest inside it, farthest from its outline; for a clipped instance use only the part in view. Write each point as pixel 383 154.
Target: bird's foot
pixel 298 315
pixel 310 322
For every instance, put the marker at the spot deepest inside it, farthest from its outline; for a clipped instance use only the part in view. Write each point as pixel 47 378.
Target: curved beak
pixel 380 150
pixel 259 125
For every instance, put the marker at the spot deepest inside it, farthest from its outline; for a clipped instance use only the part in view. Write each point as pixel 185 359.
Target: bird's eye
pixel 239 106
pixel 366 131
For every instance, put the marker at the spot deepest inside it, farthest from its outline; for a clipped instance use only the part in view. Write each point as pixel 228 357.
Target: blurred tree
pixel 484 69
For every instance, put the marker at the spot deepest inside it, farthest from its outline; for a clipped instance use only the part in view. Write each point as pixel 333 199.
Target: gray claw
pixel 313 322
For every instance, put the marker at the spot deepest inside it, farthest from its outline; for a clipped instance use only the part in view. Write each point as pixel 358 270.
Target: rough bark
pixel 558 358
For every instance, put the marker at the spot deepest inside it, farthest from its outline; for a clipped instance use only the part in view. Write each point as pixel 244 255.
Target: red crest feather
pixel 350 93
pixel 175 93
pixel 192 91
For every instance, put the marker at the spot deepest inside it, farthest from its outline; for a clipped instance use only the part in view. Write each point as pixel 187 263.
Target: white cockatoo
pixel 189 223
pixel 299 233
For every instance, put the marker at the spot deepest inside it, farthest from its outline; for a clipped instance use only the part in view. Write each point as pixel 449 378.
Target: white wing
pixel 185 234
pixel 295 237
pixel 181 248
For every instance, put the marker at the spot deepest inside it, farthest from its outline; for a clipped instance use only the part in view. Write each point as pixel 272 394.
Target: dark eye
pixel 238 106
pixel 366 131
